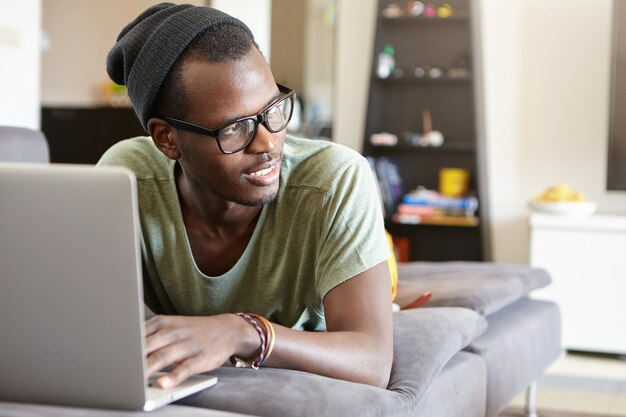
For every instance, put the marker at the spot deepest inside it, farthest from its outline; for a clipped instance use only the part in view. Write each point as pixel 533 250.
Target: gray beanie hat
pixel 148 46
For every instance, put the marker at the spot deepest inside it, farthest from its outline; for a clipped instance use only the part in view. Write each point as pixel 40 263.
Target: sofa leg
pixel 531 400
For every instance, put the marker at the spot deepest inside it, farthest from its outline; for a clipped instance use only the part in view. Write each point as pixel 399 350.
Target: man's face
pixel 219 93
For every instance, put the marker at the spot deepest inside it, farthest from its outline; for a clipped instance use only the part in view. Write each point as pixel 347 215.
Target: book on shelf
pixel 467 205
pixel 439 220
pixel 387 174
pixel 423 206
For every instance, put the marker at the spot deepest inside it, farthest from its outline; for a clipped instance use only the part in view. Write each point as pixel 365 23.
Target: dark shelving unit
pixel 396 104
pixel 80 135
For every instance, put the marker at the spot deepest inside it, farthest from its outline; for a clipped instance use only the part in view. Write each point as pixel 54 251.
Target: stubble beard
pixel 256 203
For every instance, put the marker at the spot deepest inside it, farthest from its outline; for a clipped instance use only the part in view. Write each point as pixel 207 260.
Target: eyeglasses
pixel 235 136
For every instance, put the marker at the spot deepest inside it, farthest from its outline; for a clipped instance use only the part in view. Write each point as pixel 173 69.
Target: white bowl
pixel 569 208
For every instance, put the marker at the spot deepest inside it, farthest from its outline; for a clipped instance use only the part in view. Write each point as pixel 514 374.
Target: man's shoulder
pixel 318 163
pixel 302 148
pixel 140 155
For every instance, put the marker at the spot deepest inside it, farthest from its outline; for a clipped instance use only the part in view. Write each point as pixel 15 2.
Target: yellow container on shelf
pixel 453 182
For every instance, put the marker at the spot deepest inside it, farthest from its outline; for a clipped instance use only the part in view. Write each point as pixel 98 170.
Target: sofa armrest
pixel 480 286
pixel 424 341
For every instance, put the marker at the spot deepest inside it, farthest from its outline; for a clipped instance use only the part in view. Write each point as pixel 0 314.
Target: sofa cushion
pixel 482 287
pixel 522 340
pixel 20 144
pixel 424 341
pixel 459 390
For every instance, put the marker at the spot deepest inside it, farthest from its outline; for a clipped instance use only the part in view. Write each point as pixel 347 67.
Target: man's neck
pixel 218 230
pixel 213 211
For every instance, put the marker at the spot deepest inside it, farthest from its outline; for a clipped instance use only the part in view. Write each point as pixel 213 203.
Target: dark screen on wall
pixel 616 175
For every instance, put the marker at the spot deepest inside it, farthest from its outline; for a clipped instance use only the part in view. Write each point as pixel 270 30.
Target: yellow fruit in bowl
pixel 561 192
pixel 562 199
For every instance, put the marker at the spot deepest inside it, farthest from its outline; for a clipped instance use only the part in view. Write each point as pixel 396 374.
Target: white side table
pixel 586 257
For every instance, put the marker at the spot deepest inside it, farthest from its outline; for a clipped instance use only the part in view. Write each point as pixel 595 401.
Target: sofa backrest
pixel 20 144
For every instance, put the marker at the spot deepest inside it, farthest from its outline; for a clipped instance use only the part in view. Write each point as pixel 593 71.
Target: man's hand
pixel 357 346
pixel 195 344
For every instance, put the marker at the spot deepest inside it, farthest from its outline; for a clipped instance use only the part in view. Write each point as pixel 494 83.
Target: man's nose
pixel 264 140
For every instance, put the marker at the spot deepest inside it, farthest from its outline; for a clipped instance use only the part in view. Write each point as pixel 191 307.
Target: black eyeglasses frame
pixel 260 117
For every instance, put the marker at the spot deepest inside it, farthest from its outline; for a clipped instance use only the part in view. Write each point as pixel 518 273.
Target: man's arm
pixel 357 346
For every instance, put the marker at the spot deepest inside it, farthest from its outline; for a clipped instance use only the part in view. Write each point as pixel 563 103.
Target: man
pixel 239 218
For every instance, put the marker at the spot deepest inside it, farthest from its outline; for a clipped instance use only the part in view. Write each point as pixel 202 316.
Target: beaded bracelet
pixel 265 329
pixel 269 336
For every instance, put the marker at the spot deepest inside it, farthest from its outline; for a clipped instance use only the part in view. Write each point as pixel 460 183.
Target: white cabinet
pixel 586 257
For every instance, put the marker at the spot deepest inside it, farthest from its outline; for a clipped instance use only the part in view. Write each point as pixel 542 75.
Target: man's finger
pixel 161 337
pixel 179 374
pixel 161 358
pixel 154 324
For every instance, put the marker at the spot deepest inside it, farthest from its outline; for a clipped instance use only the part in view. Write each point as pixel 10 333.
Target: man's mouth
pixel 265 176
pixel 262 172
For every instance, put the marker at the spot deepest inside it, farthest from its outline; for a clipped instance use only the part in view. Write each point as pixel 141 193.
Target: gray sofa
pixel 476 344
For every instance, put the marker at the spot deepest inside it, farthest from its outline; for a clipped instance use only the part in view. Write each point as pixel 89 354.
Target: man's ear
pixel 165 137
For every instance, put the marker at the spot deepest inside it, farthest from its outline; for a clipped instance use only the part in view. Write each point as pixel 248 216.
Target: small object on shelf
pixel 384 139
pixel 406 218
pixel 114 95
pixel 445 10
pixel 435 72
pixel 415 8
pixel 457 73
pixel 393 10
pixel 411 138
pixel 386 61
pixel 419 72
pixel 460 67
pixel 430 137
pixel 430 11
pixel 453 182
pixel 424 141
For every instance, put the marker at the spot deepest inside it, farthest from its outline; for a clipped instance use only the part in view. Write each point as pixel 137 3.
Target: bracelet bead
pixel 265 329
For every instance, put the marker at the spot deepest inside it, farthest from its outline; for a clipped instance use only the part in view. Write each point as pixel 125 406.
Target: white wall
pixel 355 31
pixel 81 33
pixel 319 66
pixel 20 58
pixel 257 14
pixel 547 77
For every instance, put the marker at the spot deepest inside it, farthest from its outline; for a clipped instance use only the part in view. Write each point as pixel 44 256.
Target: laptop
pixel 71 298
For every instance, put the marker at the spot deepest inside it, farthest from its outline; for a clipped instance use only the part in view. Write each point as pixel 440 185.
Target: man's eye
pixel 235 129
pixel 275 115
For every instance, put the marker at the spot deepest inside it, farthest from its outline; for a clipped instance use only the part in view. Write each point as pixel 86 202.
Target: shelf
pixel 416 220
pixel 459 16
pixel 452 147
pixel 396 105
pixel 415 80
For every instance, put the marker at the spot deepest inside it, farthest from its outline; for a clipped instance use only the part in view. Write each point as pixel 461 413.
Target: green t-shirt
pixel 324 227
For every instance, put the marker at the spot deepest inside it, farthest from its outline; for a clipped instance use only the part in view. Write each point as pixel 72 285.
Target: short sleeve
pixel 353 236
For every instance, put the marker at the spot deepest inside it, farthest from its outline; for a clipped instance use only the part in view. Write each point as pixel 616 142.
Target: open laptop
pixel 71 301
